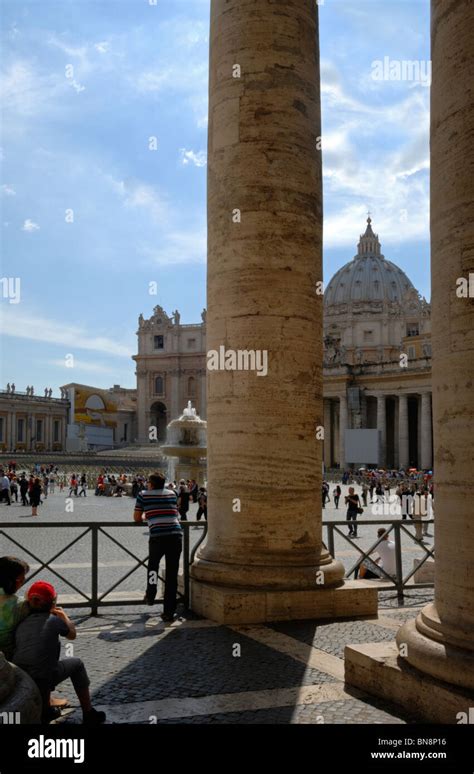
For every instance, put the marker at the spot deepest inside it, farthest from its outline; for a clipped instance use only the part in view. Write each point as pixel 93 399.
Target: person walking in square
pixel 157 505
pixel 202 500
pixel 24 489
pixel 4 487
pixel 353 507
pixel 183 500
pixel 35 496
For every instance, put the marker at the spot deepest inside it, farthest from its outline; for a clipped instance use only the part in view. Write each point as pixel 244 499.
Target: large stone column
pixel 403 447
pixel 441 641
pixel 426 432
pixel 327 434
pixel 264 260
pixel 438 681
pixel 343 415
pixel 382 426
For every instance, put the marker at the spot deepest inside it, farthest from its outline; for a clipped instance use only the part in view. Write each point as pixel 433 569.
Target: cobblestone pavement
pixel 195 671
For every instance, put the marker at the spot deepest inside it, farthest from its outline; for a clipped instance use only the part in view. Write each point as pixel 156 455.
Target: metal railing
pixel 395 526
pixel 97 599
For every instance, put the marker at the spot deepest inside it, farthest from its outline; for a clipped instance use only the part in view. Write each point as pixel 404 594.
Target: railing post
pixel 330 529
pixel 95 569
pixel 398 560
pixel 186 565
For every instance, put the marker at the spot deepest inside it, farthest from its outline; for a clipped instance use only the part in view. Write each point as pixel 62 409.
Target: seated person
pixel 37 651
pixel 12 609
pixel 385 560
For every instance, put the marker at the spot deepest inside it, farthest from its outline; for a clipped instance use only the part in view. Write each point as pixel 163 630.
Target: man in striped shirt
pixel 159 508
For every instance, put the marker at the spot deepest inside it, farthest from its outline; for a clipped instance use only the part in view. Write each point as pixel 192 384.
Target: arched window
pixel 191 387
pixel 159 385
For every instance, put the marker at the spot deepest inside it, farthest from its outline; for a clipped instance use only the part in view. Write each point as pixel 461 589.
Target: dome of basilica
pixel 368 277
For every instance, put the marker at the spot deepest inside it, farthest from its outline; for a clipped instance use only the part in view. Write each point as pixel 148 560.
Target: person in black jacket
pixel 35 496
pixel 353 504
pixel 183 500
pixel 23 489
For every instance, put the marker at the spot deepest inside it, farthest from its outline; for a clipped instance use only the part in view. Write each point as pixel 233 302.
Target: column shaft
pixel 442 640
pixel 403 447
pixel 426 432
pixel 264 260
pixel 382 426
pixel 342 430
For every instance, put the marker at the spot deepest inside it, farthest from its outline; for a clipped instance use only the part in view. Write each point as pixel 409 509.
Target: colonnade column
pixel 382 426
pixel 403 446
pixel 264 262
pixel 343 414
pixel 441 640
pixel 426 431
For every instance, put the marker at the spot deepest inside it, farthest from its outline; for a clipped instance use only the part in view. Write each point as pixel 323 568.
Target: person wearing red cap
pixel 37 651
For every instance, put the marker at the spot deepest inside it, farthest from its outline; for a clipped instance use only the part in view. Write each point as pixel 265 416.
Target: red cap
pixel 43 591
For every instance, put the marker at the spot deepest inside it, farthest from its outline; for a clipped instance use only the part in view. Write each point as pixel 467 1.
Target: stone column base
pixel 20 700
pixel 377 669
pixel 246 606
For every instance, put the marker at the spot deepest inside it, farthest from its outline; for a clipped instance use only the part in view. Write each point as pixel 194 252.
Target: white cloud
pixel 25 91
pixel 102 47
pixel 373 159
pixel 73 52
pixel 30 225
pixel 77 86
pixel 74 337
pixel 199 159
pixel 153 81
pixel 8 190
pixel 178 247
pixel 138 195
pixel 83 365
pixel 183 79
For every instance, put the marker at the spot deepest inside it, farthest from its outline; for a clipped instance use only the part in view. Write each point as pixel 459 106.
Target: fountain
pixel 186 446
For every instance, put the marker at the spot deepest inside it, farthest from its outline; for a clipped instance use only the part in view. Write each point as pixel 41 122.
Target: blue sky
pixel 86 83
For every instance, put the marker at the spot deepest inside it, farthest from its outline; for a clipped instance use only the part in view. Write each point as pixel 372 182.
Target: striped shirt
pixel 160 507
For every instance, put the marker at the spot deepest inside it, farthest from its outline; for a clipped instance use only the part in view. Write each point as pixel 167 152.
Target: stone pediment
pixel 159 319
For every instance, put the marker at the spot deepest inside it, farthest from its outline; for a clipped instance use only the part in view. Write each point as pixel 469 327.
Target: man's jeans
pixel 351 516
pixel 169 546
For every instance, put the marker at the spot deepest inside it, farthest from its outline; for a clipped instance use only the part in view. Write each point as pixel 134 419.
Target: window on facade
pixel 368 335
pixel 125 432
pixel 1 428
pixel 56 438
pixel 412 329
pixel 159 385
pixel 159 342
pixel 191 387
pixel 411 352
pixel 39 429
pixel 20 431
pixel 191 343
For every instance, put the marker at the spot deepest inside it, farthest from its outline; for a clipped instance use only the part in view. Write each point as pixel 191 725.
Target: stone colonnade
pixel 430 668
pixel 264 558
pixel 441 640
pixel 337 421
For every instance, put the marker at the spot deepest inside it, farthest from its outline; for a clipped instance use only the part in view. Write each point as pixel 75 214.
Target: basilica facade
pixel 377 376
pixel 377 362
